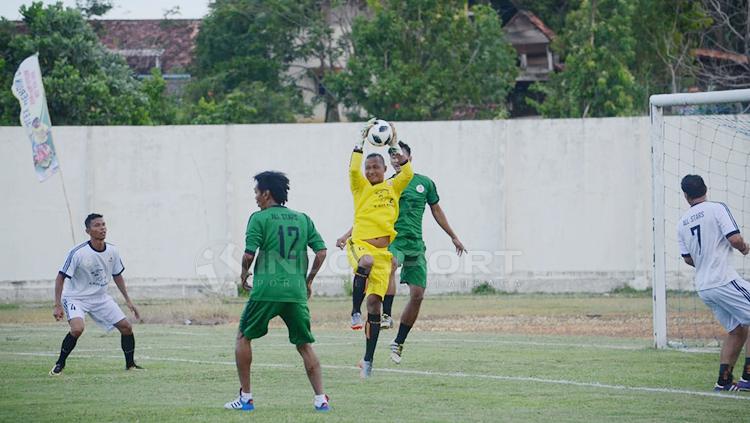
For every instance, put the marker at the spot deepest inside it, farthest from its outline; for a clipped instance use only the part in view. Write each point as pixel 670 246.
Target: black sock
pixel 68 343
pixel 358 288
pixel 725 375
pixel 746 369
pixel 372 330
pixel 403 332
pixel 128 347
pixel 388 304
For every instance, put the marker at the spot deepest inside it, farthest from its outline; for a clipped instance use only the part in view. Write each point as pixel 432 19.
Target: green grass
pixel 454 368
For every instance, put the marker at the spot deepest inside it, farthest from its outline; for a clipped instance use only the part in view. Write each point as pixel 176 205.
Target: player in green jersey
pixel 408 250
pixel 277 239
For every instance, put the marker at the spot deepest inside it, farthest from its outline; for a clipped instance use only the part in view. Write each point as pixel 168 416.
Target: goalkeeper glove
pixel 393 147
pixel 360 144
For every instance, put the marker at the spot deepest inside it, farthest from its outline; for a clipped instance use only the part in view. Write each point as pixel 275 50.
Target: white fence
pixel 542 205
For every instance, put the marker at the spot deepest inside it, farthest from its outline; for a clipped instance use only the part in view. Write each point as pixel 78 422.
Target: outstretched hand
pixel 363 133
pixel 460 249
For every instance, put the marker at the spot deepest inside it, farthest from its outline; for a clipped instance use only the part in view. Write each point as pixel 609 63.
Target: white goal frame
pixel 656 106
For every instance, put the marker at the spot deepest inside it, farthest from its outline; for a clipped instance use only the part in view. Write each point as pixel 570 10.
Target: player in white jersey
pixel 707 233
pixel 90 266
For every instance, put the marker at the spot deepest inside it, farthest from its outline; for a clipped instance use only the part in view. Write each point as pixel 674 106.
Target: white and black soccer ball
pixel 380 133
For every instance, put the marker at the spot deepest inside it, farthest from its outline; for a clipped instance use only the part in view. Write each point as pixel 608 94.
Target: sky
pixel 124 9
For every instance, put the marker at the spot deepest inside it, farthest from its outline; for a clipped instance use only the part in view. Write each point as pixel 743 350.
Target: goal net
pixel 707 134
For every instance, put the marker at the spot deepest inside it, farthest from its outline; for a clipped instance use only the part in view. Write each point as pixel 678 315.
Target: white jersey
pixel 702 233
pixel 90 271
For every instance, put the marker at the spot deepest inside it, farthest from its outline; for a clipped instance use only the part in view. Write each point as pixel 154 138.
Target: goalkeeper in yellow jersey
pixel 375 214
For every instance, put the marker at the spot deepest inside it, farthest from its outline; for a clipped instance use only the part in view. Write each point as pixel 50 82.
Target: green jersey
pixel 281 237
pixel 420 191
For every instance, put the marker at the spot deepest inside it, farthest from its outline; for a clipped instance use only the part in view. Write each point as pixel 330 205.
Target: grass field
pixel 471 358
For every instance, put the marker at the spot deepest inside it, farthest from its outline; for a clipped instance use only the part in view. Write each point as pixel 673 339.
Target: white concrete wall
pixel 565 202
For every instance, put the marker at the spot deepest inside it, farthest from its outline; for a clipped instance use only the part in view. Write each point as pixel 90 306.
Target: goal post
pixel 704 133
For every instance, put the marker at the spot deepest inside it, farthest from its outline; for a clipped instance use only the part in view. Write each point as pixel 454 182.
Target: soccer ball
pixel 380 133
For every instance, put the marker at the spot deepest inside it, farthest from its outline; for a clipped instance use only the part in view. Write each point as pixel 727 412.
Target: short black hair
pixel 275 182
pixel 693 186
pixel 90 218
pixel 404 146
pixel 376 155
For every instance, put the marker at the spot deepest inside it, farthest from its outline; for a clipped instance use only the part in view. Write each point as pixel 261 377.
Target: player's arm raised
pixel 120 282
pixel 356 179
pixel 402 179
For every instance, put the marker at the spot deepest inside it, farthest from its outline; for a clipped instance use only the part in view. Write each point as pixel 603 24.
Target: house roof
pixel 740 59
pixel 144 41
pixel 515 27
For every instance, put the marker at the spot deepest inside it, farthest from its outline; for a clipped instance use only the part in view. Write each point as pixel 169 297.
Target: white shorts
pixel 103 309
pixel 730 303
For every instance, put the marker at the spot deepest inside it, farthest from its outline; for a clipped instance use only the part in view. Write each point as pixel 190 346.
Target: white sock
pixel 320 399
pixel 245 396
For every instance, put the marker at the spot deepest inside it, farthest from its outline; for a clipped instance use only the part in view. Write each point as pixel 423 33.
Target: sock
pixel 746 369
pixel 358 288
pixel 725 375
pixel 128 347
pixel 388 304
pixel 403 332
pixel 68 343
pixel 245 397
pixel 320 399
pixel 372 330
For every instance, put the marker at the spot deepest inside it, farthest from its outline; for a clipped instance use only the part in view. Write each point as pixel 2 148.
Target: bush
pixel 484 288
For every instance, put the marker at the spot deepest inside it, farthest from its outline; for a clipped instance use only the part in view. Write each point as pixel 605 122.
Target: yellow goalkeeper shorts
pixel 377 282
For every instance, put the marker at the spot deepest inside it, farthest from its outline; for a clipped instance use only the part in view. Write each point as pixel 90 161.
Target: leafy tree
pixel 162 107
pixel 85 84
pixel 427 59
pixel 599 49
pixel 668 33
pixel 243 56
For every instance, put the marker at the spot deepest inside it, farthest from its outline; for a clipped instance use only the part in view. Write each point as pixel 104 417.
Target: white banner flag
pixel 29 90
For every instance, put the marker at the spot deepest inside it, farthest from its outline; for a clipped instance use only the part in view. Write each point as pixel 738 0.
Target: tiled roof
pixel 141 41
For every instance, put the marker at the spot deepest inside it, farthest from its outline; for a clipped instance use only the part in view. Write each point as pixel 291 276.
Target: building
pixel 165 44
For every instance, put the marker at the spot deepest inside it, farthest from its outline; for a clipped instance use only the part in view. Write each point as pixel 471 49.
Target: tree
pixel 85 83
pixel 729 36
pixel 427 59
pixel 599 50
pixel 668 33
pixel 243 56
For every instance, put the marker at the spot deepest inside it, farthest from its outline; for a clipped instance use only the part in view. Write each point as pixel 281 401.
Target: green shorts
pixel 257 314
pixel 410 256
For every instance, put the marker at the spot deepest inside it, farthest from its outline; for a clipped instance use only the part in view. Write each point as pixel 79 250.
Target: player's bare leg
pixel 408 317
pixel 127 342
pixel 387 320
pixel 243 358
pixel 744 383
pixel 314 373
pixel 372 330
pixel 364 265
pixel 69 342
pixel 730 352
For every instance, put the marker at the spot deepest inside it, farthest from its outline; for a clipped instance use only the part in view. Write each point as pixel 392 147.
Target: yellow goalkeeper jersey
pixel 376 206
